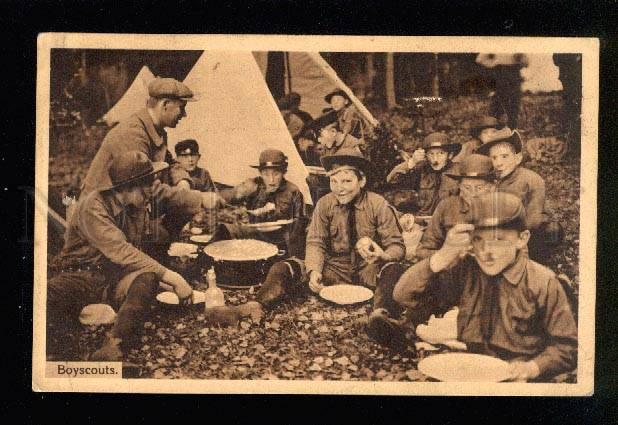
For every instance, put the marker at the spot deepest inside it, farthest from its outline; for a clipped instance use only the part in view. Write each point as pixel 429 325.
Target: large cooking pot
pixel 241 263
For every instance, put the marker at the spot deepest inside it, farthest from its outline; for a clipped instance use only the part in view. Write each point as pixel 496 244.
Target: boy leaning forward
pixel 353 238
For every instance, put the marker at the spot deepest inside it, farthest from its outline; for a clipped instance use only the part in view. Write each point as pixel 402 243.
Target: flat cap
pixel 170 88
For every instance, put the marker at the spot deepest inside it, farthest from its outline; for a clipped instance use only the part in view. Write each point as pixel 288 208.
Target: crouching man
pixel 102 259
pixel 509 306
pixel 353 238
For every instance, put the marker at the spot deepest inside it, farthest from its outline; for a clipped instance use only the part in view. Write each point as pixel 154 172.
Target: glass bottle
pixel 214 295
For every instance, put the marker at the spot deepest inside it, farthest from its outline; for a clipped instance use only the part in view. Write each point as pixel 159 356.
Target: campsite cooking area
pixel 308 338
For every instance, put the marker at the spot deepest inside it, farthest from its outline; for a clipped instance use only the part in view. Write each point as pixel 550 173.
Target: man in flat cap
pixel 475 178
pixel 426 172
pixel 102 259
pixel 143 131
pixel 509 306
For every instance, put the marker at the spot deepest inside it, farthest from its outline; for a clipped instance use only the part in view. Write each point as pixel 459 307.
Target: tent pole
pixel 288 71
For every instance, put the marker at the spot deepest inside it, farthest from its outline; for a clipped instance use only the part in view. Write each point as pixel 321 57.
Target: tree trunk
pixel 370 73
pixel 389 78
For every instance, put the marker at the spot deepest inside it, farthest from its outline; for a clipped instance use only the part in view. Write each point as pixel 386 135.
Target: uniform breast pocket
pixel 522 319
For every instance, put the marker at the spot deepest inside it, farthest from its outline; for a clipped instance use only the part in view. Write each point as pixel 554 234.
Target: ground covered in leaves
pixel 309 338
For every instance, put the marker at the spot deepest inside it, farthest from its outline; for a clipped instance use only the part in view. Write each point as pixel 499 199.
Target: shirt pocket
pixel 338 241
pixel 522 318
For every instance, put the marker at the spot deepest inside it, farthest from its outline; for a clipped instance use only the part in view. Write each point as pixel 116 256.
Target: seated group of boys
pixel 487 215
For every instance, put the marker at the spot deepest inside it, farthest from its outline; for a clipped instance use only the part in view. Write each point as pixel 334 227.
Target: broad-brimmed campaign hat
pixel 474 166
pixel 346 157
pixel 514 139
pixel 337 92
pixel 272 158
pixel 483 122
pixel 131 167
pixel 498 210
pixel 187 147
pixel 170 88
pixel 440 140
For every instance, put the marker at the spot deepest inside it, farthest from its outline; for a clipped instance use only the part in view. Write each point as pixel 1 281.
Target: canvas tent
pixel 132 100
pixel 234 119
pixel 309 75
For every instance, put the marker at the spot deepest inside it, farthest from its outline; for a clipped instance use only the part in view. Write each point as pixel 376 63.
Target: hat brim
pixel 357 162
pixel 343 94
pixel 157 167
pixel 263 167
pixel 462 176
pixel 514 139
pixel 453 148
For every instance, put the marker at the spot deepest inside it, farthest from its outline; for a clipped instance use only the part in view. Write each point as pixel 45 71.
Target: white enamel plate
pixel 346 294
pixel 464 367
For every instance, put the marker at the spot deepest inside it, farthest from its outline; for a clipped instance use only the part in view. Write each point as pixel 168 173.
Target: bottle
pixel 214 296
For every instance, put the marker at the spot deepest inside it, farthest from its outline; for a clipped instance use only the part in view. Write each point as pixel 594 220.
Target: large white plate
pixel 205 238
pixel 241 250
pixel 171 298
pixel 464 367
pixel 346 294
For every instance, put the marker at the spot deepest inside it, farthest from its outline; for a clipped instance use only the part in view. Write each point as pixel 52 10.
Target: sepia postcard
pixel 256 214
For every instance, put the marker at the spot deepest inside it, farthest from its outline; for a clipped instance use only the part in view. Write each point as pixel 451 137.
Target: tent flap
pixel 132 100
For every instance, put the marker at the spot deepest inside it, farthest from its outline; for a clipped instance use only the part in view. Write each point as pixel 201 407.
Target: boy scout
pixel 185 172
pixel 348 118
pixel 426 172
pixel 482 130
pixel 331 137
pixel 509 306
pixel 475 178
pixel 269 197
pixel 353 238
pixel 506 155
pixel 102 260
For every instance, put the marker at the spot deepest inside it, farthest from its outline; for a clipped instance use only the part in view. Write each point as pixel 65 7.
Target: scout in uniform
pixel 482 130
pixel 506 155
pixel 185 172
pixel 143 131
pixel 353 238
pixel 426 172
pixel 509 306
pixel 102 259
pixel 330 140
pixel 348 118
pixel 475 178
pixel 269 197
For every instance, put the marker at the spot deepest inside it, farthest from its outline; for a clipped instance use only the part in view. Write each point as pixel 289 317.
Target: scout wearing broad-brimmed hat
pixel 102 258
pixel 353 238
pixel 506 155
pixel 426 172
pixel 143 131
pixel 475 177
pixel 508 305
pixel 348 118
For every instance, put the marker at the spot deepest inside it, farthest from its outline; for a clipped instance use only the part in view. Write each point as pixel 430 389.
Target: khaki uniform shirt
pixel 328 240
pixel 449 212
pixel 137 133
pixel 104 232
pixel 431 186
pixel 533 319
pixel 530 188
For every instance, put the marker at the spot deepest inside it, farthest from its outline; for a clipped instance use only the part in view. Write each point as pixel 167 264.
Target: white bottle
pixel 214 296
